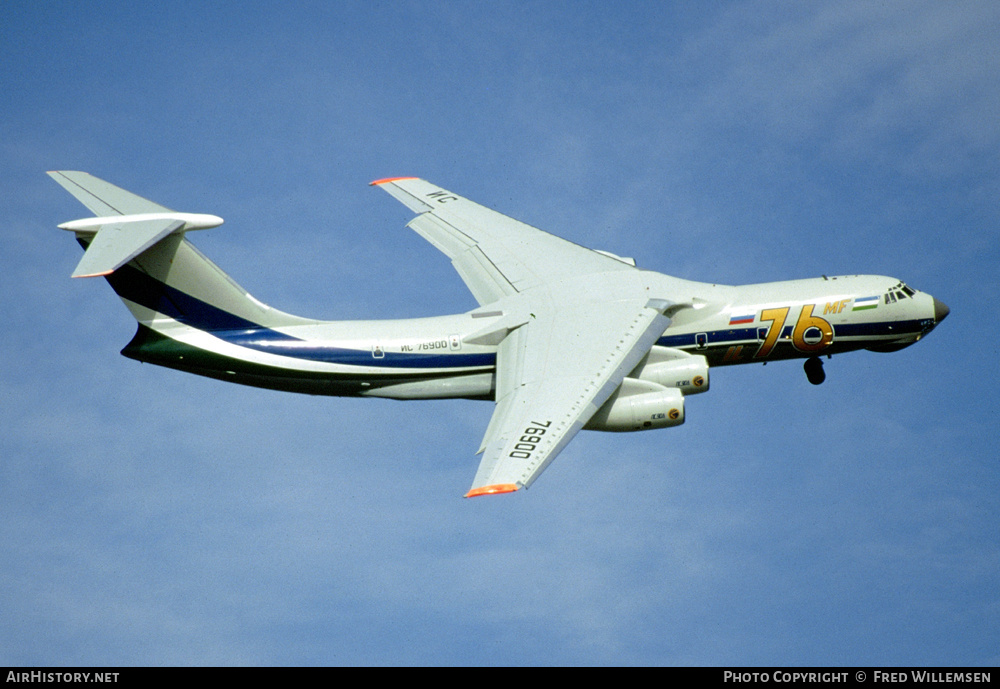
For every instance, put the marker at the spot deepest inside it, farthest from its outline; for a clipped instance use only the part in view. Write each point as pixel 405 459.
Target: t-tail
pixel 140 248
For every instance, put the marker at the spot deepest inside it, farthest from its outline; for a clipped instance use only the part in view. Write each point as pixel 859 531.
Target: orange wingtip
pixel 495 489
pixel 387 180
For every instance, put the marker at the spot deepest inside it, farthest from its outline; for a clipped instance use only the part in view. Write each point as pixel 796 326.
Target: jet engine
pixel 639 405
pixel 673 368
pixel 652 396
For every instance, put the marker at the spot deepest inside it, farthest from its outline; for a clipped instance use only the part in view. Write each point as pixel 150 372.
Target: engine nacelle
pixel 673 368
pixel 639 405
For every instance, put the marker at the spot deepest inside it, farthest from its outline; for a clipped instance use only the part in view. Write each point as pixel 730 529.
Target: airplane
pixel 565 338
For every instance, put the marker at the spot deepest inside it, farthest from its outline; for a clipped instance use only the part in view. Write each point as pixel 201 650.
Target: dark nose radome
pixel 940 311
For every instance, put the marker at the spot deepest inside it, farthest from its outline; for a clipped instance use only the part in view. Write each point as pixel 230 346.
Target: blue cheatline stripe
pixel 273 342
pixel 718 338
pixel 136 286
pixel 874 329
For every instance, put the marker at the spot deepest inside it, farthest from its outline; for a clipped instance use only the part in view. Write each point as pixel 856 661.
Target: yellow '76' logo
pixel 811 333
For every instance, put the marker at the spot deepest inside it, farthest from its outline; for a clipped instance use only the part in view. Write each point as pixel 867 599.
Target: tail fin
pixel 139 246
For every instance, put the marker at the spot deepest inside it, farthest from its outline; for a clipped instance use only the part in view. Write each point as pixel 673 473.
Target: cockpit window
pixel 898 291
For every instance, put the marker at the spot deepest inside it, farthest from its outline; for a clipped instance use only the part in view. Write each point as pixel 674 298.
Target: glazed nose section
pixel 940 311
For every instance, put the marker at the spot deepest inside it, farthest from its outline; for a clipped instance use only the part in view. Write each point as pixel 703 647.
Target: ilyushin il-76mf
pixel 565 338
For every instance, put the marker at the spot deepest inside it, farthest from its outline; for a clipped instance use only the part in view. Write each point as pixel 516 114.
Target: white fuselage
pixel 448 357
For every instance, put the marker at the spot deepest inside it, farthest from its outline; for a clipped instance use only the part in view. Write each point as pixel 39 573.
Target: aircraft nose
pixel 940 311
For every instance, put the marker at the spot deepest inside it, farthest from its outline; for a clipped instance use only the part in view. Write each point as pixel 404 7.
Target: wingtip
pixel 387 180
pixel 495 489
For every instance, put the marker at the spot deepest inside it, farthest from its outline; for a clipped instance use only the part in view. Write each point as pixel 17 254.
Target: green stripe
pixel 155 348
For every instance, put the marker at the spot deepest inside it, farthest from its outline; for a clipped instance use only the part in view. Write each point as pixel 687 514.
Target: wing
pixel 553 374
pixel 494 254
pixel 574 323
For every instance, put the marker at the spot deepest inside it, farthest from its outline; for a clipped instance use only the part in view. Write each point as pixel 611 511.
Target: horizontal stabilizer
pixel 125 226
pixel 120 238
pixel 104 198
pixel 116 244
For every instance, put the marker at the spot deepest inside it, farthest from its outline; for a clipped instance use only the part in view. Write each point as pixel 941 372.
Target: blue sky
pixel 149 517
